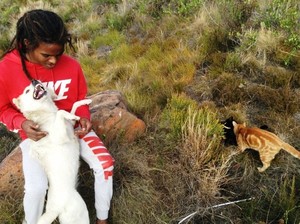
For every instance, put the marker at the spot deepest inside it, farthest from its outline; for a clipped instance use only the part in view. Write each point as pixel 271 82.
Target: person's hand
pixel 32 130
pixel 85 125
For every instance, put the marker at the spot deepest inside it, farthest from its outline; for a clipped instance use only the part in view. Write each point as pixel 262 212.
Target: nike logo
pixel 61 88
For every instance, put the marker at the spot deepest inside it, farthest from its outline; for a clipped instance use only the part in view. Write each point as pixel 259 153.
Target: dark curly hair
pixel 37 26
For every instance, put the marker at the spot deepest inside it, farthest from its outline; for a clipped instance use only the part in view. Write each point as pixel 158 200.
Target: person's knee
pixel 106 163
pixel 104 173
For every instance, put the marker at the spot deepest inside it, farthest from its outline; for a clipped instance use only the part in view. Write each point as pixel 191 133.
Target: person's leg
pixel 99 159
pixel 35 187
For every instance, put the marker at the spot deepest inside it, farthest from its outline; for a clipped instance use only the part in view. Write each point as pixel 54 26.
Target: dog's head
pixel 35 97
pixel 39 90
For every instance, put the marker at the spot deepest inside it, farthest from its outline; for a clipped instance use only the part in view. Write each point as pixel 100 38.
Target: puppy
pixel 58 153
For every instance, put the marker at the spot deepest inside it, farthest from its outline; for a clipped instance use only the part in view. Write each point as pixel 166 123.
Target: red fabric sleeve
pixel 11 117
pixel 84 110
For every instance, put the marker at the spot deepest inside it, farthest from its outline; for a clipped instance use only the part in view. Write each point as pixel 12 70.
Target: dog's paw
pixel 72 117
pixel 76 118
pixel 68 115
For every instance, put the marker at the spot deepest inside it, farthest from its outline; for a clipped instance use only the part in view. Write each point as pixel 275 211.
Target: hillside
pixel 184 66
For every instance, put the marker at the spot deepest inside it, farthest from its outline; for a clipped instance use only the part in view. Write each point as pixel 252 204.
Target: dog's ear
pixel 16 101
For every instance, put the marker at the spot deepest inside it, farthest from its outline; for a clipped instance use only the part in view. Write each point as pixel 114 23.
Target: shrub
pixel 112 38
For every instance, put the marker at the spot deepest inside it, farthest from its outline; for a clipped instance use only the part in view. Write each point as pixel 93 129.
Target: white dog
pixel 58 153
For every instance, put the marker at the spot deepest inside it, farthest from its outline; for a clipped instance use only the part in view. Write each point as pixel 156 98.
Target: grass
pixel 183 66
pixel 11 210
pixel 8 141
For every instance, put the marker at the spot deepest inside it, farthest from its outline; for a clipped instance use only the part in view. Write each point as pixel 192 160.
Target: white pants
pixel 94 153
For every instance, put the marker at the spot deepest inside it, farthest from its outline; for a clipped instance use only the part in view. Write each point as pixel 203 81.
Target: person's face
pixel 46 54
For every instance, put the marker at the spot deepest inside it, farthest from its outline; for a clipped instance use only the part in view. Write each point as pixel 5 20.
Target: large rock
pixel 110 119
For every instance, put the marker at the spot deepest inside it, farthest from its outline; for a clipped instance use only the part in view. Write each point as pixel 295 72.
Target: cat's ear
pixel 234 123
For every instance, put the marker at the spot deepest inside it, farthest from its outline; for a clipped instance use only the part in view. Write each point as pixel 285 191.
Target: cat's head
pixel 237 127
pixel 229 135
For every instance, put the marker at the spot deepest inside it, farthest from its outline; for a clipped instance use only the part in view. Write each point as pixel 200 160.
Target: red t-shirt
pixel 66 78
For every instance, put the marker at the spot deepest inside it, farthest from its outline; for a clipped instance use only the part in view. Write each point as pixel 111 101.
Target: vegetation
pixel 183 67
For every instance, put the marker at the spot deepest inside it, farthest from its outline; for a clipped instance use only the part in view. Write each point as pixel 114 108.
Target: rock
pixel 110 118
pixel 11 174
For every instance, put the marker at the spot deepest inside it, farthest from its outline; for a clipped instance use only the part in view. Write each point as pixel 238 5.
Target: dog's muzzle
pixel 39 90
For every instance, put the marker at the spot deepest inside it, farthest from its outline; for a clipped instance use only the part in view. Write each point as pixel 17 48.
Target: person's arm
pixel 83 111
pixel 9 116
pixel 15 121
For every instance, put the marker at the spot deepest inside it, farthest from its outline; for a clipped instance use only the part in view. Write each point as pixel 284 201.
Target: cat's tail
pixel 290 149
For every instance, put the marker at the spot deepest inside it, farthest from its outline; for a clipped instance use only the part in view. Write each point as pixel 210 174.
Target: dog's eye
pixel 27 91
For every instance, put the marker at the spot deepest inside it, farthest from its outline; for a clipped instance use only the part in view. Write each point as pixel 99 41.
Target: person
pixel 37 53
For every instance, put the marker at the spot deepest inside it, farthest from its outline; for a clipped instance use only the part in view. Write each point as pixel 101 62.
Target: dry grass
pixel 184 66
pixel 11 210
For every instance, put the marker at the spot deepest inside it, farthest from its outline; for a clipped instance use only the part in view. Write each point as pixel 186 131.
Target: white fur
pixel 58 153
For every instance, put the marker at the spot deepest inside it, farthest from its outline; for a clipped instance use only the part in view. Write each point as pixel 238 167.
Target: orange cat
pixel 265 142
